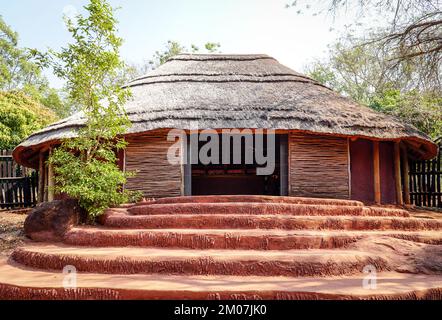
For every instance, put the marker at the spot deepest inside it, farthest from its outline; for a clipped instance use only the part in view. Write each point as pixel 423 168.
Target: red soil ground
pixel 234 248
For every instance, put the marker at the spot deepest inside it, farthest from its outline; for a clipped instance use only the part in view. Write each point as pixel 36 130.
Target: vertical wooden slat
pixel 45 189
pixel 289 164
pixel 397 173
pixel 420 184
pixel 307 154
pixel 439 178
pixel 283 167
pixel 424 183
pixel 50 180
pixel 349 167
pixel 41 176
pixel 432 181
pixel 156 177
pixel 376 173
pixel 187 167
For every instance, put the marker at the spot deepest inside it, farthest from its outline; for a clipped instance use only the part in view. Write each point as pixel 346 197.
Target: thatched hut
pixel 326 144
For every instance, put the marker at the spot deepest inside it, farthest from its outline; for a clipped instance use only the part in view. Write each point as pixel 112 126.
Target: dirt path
pixel 11 231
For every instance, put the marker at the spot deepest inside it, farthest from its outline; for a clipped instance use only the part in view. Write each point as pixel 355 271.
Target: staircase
pixel 236 247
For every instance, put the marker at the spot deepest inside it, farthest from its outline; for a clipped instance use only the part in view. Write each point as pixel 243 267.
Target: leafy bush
pixel 20 116
pixel 96 183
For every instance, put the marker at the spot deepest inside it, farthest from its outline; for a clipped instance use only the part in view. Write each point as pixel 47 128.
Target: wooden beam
pixel 397 173
pixel 283 166
pixel 186 166
pixel 45 197
pixel 50 180
pixel 405 172
pixel 376 173
pixel 41 175
pixel 349 167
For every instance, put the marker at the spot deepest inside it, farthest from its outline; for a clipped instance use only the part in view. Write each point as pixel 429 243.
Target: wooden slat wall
pixel 156 178
pixel 318 166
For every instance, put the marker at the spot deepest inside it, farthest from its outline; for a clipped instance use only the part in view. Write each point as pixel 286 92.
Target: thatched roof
pixel 241 91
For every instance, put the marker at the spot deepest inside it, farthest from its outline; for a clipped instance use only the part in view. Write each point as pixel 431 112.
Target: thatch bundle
pixel 241 91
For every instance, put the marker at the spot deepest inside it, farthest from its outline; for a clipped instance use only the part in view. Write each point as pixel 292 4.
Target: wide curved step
pixel 17 282
pixel 286 222
pixel 129 260
pixel 234 238
pixel 254 198
pixel 253 208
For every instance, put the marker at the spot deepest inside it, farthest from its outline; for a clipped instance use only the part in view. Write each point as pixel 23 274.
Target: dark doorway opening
pixel 240 177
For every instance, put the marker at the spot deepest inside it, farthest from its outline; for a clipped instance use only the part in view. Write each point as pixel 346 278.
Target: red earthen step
pixel 228 221
pixel 129 260
pixel 253 208
pixel 17 282
pixel 234 238
pixel 254 198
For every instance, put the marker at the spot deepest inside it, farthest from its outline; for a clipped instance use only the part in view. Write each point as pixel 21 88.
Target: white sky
pixel 240 26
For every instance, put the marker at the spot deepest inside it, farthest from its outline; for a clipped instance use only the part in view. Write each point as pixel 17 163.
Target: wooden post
pixel 405 172
pixel 50 180
pixel 283 158
pixel 41 177
pixel 376 173
pixel 349 167
pixel 397 173
pixel 45 198
pixel 186 167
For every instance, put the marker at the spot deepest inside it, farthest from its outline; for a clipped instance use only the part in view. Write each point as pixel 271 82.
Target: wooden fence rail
pixel 425 182
pixel 18 185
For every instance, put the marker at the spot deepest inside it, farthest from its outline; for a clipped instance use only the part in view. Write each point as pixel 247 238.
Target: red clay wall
pixel 361 159
pixel 386 159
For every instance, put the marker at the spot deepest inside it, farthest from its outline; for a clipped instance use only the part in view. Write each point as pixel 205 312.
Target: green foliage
pixel 18 71
pixel 173 48
pixel 15 67
pixel 423 110
pixel 85 167
pixel 20 115
pixel 368 75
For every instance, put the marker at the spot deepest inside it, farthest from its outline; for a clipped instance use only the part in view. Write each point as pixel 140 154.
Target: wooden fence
pixel 18 185
pixel 425 182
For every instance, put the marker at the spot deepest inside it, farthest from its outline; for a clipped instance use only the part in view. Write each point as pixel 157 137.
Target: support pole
pixel 50 180
pixel 397 173
pixel 41 175
pixel 45 197
pixel 376 173
pixel 283 166
pixel 405 172
pixel 187 165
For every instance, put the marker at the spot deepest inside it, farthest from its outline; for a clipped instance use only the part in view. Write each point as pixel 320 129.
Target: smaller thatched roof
pixel 240 91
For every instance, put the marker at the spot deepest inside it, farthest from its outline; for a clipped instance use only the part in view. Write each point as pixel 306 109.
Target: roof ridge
pixel 217 74
pixel 218 57
pixel 306 80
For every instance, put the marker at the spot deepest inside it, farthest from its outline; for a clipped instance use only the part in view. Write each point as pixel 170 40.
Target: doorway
pixel 239 175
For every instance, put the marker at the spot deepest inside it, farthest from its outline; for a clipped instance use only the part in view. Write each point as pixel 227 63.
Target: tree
pixel 15 67
pixel 364 73
pixel 20 115
pixel 413 33
pixel 19 71
pixel 171 49
pixel 85 167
